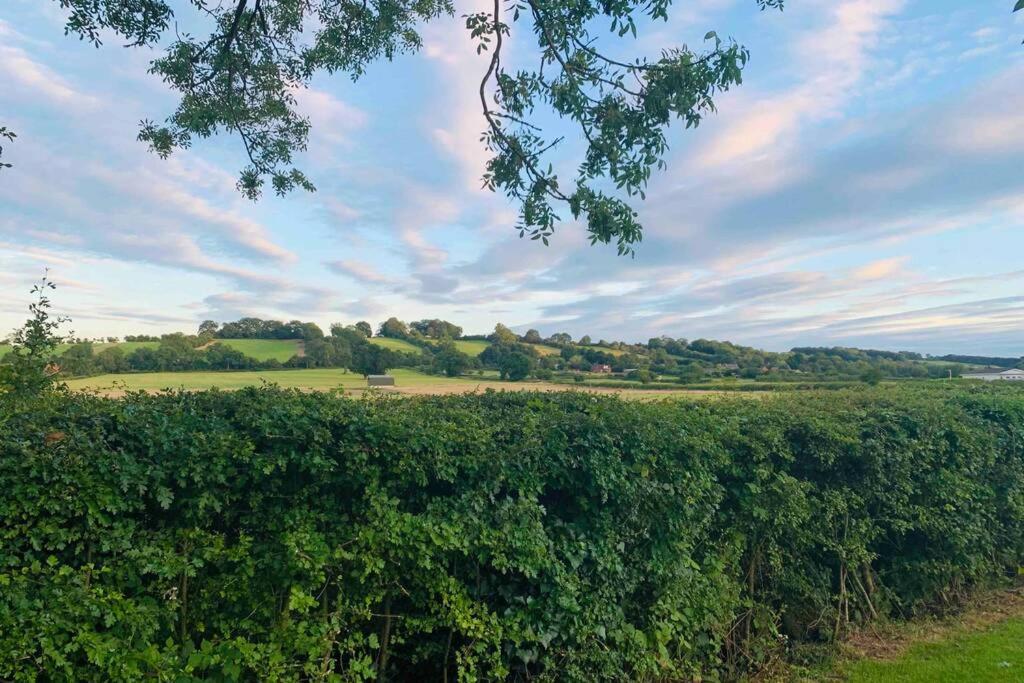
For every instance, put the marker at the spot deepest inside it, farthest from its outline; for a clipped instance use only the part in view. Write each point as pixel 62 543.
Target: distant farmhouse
pixel 1012 374
pixel 600 367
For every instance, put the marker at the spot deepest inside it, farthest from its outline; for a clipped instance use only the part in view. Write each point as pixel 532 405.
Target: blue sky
pixel 862 187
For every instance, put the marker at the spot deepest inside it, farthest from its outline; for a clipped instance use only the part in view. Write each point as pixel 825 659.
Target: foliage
pixel 450 361
pixel 514 366
pixel 436 329
pixel 28 367
pixel 274 535
pixel 255 328
pixel 9 135
pixel 393 328
pixel 240 73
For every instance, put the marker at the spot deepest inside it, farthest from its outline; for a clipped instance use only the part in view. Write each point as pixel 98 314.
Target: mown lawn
pixel 995 654
pixel 265 349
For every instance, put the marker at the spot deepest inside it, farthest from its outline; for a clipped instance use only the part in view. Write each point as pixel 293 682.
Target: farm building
pixel 1012 374
pixel 600 367
pixel 380 381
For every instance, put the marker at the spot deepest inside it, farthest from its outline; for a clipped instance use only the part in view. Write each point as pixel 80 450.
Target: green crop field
pixel 265 349
pixel 395 344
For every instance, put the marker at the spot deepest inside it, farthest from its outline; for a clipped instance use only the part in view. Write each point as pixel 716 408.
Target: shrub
pixel 275 535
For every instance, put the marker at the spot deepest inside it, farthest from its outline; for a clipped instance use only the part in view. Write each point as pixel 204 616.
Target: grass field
pixel 395 344
pixel 995 654
pixel 471 347
pixel 265 349
pixel 614 352
pixel 545 350
pixel 127 347
pixel 406 382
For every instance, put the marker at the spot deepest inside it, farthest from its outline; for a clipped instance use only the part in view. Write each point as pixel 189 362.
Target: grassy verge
pixel 983 643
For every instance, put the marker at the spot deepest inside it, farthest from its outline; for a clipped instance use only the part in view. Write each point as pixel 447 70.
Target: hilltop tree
pixel 208 327
pixel 532 337
pixel 503 336
pixel 393 328
pixel 437 329
pixel 365 328
pixel 560 339
pixel 240 71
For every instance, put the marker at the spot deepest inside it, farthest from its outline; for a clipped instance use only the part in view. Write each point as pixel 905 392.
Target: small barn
pixel 380 381
pixel 600 367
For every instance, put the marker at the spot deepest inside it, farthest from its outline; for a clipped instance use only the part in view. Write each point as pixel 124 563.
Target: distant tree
pixel 365 328
pixel 77 360
pixel 112 360
pixel 532 337
pixel 503 335
pixel 560 339
pixel 585 340
pixel 872 376
pixel 209 327
pixel 437 329
pixel 691 372
pixel 370 359
pixel 514 366
pixel 449 360
pixel 393 328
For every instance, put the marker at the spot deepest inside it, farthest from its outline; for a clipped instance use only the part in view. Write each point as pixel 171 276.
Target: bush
pixel 275 535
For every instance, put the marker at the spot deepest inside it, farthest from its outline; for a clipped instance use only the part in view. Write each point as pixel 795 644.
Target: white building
pixel 1013 374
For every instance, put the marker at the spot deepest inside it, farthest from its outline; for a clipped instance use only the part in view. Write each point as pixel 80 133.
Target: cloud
pixel 37 78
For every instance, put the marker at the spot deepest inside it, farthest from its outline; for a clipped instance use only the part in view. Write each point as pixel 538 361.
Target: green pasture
pixel 265 349
pixel 97 347
pixel 395 344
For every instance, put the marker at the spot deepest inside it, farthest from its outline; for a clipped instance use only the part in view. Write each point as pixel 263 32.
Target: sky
pixel 862 187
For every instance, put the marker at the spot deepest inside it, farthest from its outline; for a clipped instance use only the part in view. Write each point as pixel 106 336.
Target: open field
pixel 407 382
pixel 265 349
pixel 614 352
pixel 471 347
pixel 395 344
pixel 545 350
pixel 127 347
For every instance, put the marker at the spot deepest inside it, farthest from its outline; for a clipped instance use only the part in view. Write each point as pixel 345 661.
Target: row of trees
pixel 512 355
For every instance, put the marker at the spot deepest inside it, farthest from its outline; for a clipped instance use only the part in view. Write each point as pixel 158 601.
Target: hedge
pixel 275 535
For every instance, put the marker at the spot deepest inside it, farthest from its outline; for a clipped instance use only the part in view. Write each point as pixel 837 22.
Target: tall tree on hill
pixel 365 328
pixel 503 335
pixel 393 328
pixel 241 72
